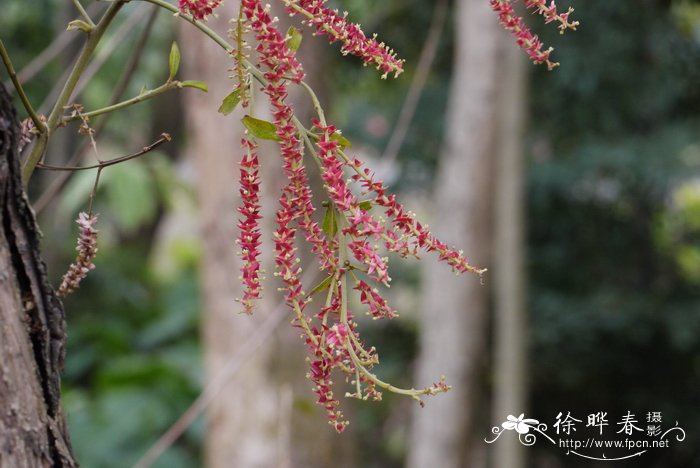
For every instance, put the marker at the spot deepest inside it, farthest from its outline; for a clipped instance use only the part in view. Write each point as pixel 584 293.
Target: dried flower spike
pixel 87 249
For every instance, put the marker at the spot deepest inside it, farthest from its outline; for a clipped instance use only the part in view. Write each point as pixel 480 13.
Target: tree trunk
pixel 33 431
pixel 241 420
pixel 510 330
pixel 253 422
pixel 454 321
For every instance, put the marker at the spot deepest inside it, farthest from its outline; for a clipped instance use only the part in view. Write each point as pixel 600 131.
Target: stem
pixel 167 86
pixel 119 89
pixel 83 13
pixel 316 103
pixel 83 59
pixel 40 126
pixel 111 162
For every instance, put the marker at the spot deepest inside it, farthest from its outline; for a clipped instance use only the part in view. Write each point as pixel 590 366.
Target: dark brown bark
pixel 33 432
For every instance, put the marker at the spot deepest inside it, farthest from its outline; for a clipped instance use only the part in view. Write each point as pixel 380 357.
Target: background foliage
pixel 613 211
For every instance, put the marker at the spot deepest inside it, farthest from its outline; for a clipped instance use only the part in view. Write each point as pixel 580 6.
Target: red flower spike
pixel 354 42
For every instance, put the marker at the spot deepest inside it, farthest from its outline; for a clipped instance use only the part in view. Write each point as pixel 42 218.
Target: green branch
pixel 94 37
pixel 38 123
pixel 167 86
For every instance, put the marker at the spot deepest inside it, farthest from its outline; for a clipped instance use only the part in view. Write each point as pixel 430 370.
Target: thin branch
pixel 110 162
pixel 408 109
pixel 40 126
pixel 82 62
pixel 83 13
pixel 101 56
pixel 108 47
pixel 55 47
pixel 124 104
pixel 119 89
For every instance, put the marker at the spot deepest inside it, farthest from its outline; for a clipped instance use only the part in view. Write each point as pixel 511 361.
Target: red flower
pixel 199 9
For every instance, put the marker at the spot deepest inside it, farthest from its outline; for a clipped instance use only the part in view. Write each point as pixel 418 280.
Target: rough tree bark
pixel 33 431
pixel 454 316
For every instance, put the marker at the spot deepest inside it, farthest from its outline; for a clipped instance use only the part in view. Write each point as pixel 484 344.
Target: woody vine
pixel 357 224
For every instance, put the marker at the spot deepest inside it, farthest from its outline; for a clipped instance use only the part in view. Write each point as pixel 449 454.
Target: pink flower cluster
pixel 339 29
pixel 87 249
pixel 249 239
pixel 199 9
pixel 528 41
pixel 350 248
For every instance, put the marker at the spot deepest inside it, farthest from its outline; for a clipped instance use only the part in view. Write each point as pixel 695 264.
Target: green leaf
pixel 342 141
pixel 321 286
pixel 195 84
pixel 260 128
pixel 365 205
pixel 174 60
pixel 330 224
pixel 230 102
pixel 79 25
pixel 294 38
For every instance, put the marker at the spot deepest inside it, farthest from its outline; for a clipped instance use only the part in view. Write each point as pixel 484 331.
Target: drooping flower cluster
pixel 363 223
pixel 339 29
pixel 352 243
pixel 87 249
pixel 199 9
pixel 528 41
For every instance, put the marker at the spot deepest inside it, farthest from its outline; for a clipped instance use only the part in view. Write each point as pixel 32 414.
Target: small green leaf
pixel 330 225
pixel 342 141
pixel 230 102
pixel 321 286
pixel 260 128
pixel 79 25
pixel 195 84
pixel 174 60
pixel 293 38
pixel 365 205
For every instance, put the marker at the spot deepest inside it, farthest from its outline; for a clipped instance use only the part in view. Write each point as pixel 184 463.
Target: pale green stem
pixel 54 118
pixel 316 103
pixel 40 126
pixel 83 13
pixel 169 85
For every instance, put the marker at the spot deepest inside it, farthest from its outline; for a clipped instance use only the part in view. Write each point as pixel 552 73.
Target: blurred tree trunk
pixel 254 422
pixel 241 420
pixel 510 330
pixel 33 432
pixel 454 316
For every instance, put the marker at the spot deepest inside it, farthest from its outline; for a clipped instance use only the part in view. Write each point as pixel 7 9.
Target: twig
pixel 40 126
pixel 408 109
pixel 217 384
pixel 110 162
pixel 119 89
pixel 83 13
pixel 101 57
pixel 129 102
pixel 60 42
pixel 109 46
pixel 80 64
